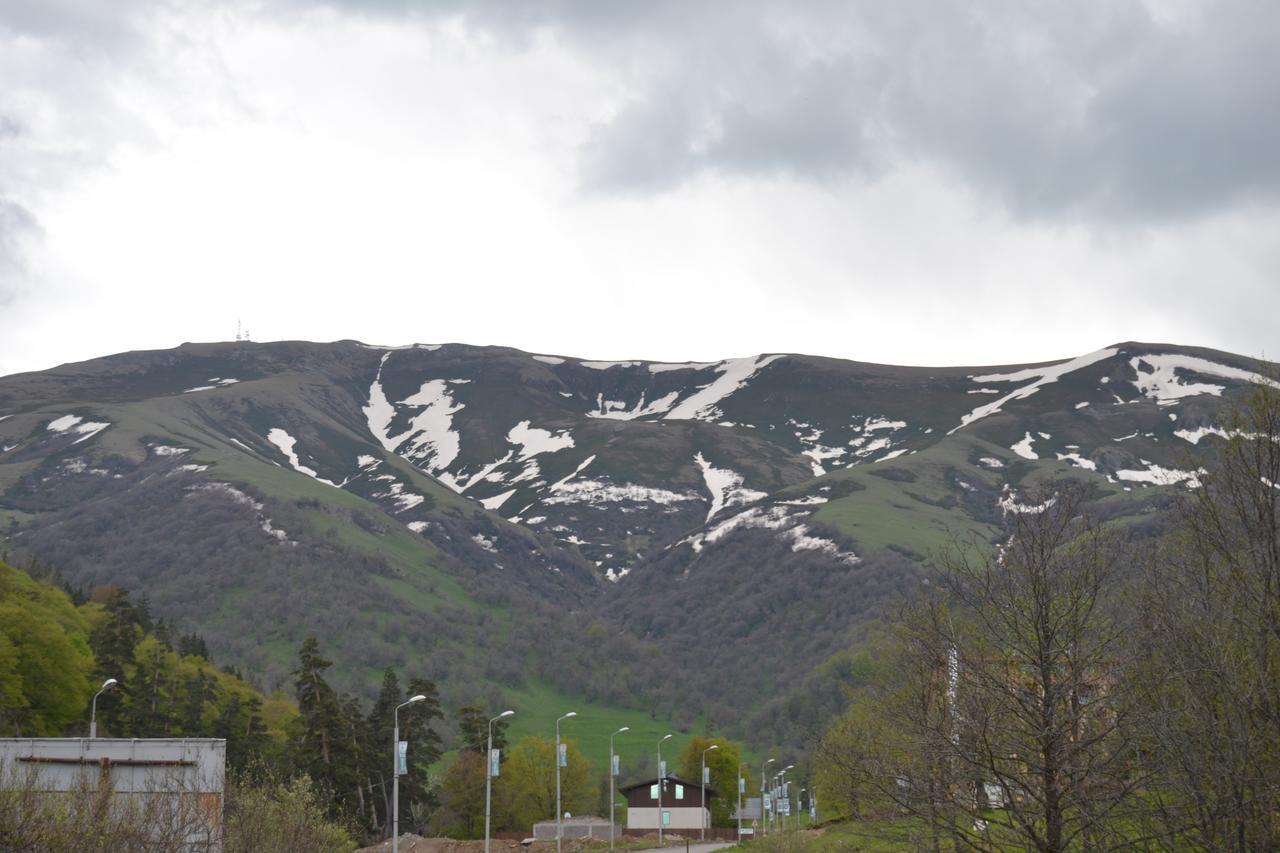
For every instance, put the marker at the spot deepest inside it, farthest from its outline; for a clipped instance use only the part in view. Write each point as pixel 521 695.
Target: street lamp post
pixel 93 713
pixel 703 782
pixel 740 787
pixel 662 786
pixel 488 776
pixel 799 800
pixel 613 778
pixel 559 815
pixel 764 823
pixel 395 772
pixel 782 787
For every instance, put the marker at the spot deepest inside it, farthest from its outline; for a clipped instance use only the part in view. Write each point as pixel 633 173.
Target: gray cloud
pixel 17 225
pixel 1092 109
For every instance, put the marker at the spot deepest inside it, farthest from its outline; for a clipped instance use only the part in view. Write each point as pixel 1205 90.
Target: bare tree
pixel 1212 650
pixel 1017 721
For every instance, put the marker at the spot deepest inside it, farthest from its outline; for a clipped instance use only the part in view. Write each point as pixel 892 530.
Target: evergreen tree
pixel 473 728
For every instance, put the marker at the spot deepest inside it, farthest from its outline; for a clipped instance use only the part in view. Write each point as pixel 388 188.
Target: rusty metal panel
pixel 179 779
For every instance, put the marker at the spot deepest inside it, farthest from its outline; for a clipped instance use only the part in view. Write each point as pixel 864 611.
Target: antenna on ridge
pixel 238 329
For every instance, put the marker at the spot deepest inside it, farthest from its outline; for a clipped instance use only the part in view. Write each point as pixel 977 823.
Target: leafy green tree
pixel 45 661
pixel 461 812
pixel 529 782
pixel 723 763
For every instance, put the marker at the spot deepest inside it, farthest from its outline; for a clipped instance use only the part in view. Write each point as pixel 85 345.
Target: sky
pixel 941 182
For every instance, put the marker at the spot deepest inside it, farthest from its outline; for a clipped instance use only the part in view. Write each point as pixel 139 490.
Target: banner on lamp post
pixel 742 785
pixel 564 755
pixel 662 769
pixel 614 765
pixel 706 775
pixel 495 760
pixel 402 758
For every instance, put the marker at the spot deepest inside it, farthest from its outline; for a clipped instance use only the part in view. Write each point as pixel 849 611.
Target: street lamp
pixel 662 785
pixel 559 815
pixel 488 776
pixel 395 772
pixel 741 784
pixel 704 788
pixel 613 776
pixel 93 714
pixel 782 787
pixel 764 823
pixel 799 800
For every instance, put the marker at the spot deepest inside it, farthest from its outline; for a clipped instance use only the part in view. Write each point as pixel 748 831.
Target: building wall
pixel 681 818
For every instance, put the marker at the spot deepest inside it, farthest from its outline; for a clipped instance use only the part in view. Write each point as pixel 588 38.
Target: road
pixel 699 846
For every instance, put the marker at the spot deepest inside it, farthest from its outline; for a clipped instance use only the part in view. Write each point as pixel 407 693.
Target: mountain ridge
pixel 476 495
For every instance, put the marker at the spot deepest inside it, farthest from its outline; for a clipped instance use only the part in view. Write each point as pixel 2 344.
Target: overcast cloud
pixel 919 182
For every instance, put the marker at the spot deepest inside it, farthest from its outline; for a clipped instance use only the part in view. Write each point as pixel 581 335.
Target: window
pixel 666 818
pixel 653 792
pixel 679 792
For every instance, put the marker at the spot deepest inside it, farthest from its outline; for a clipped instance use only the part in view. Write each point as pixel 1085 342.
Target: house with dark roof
pixel 677 803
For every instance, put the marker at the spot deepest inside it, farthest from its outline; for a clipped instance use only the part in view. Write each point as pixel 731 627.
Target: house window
pixel 666 818
pixel 679 792
pixel 653 792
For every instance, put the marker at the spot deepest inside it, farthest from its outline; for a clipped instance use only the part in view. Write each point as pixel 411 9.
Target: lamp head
pixel 770 761
pixel 418 698
pixel 505 714
pixel 666 737
pixel 570 714
pixel 788 767
pixel 623 729
pixel 109 683
pixel 713 746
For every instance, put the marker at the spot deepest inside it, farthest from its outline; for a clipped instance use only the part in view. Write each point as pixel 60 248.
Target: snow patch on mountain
pixel 659 367
pixel 780 518
pixel 1159 476
pixel 1008 502
pixel 286 443
pixel 725 487
pixel 599 492
pixel 1194 435
pixel 63 423
pixel 264 523
pixel 1077 460
pixel 1163 384
pixel 559 484
pixel 167 450
pixel 533 440
pixel 1023 448
pixel 734 374
pixel 497 500
pixel 617 409
pixel 1040 377
pixel 548 359
pixel 605 365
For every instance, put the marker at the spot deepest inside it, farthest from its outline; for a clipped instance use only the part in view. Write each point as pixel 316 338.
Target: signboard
pixel 495 758
pixel 615 764
pixel 768 802
pixel 402 758
pixel 564 755
pixel 706 775
pixel 662 769
pixel 742 785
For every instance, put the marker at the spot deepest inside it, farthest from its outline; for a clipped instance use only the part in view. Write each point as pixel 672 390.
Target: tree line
pixel 1082 684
